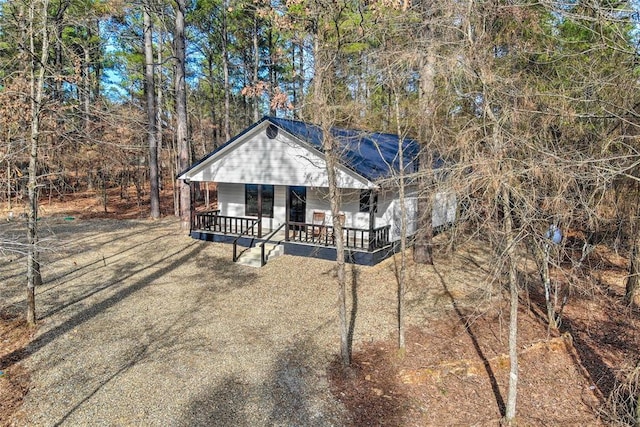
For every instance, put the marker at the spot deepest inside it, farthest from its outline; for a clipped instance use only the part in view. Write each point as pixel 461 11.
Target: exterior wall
pixel 277 161
pixel 392 215
pixel 443 213
pixel 279 207
pixel 445 205
pixel 318 201
pixel 231 199
pixel 231 203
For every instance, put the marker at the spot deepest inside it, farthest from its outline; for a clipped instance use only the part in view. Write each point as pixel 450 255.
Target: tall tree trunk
pixel 212 108
pixel 403 231
pixel 256 65
pixel 632 294
pixel 272 71
pixel 184 150
pixel 8 176
pixel 34 277
pixel 225 72
pixel 58 24
pixel 423 251
pixel 86 89
pixel 159 106
pixel 334 199
pixel 510 415
pixel 152 131
pixel 97 69
pixel 321 110
pixel 301 71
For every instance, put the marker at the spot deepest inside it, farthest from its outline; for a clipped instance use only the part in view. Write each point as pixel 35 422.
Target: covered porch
pixel 317 233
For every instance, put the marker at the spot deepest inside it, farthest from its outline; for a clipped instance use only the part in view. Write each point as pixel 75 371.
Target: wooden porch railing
pixel 212 221
pixel 205 220
pixel 354 238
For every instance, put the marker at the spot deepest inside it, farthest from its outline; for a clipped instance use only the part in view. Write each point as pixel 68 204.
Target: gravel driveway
pixel 142 325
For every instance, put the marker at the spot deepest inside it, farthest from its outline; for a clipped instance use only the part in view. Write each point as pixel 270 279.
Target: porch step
pixel 251 257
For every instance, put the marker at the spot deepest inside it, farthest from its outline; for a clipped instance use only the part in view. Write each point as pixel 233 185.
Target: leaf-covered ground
pixel 455 369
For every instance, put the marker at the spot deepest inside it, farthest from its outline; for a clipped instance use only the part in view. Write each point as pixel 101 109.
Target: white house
pixel 272 184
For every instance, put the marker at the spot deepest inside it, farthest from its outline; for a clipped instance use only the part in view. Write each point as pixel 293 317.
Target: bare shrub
pixel 623 406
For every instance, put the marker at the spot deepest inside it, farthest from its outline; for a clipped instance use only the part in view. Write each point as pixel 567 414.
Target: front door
pixel 297 204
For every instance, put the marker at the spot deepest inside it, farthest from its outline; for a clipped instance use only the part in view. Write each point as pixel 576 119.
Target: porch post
pixel 287 201
pixel 372 217
pixel 192 210
pixel 259 210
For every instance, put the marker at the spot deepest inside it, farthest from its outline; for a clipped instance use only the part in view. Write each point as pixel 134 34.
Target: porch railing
pixel 355 238
pixel 205 220
pixel 212 221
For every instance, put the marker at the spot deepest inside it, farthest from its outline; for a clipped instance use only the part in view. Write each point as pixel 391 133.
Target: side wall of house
pixel 392 215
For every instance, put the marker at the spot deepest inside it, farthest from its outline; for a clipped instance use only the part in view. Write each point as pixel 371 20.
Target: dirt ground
pixel 455 370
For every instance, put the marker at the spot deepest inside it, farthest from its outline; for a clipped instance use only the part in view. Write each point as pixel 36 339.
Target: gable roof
pixel 371 155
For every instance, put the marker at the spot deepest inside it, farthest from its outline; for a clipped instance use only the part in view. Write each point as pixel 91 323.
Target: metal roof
pixel 372 155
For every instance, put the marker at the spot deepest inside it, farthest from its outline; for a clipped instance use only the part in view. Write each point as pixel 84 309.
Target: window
pixel 251 200
pixel 367 203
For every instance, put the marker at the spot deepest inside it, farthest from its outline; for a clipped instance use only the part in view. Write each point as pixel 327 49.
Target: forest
pixel 533 109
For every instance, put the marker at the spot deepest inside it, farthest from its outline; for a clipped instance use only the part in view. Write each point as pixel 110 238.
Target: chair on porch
pixel 318 228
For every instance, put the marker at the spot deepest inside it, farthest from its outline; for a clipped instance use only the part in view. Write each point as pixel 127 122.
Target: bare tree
pixel 325 54
pixel 38 22
pixel 632 292
pixel 423 251
pixel 509 250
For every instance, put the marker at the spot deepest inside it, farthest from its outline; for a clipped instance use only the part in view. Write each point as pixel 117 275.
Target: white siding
pixel 318 201
pixel 444 212
pixel 231 199
pixel 392 215
pixel 279 205
pixel 231 202
pixel 279 161
pixel 445 205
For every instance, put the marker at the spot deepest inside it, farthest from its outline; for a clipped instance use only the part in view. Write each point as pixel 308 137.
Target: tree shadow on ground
pixel 95 309
pixel 605 332
pixel 83 239
pixel 91 269
pixel 369 388
pixel 150 341
pixel 291 395
pixel 463 318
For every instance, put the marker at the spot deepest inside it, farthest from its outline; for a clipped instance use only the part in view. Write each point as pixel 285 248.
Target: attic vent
pixel 272 131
